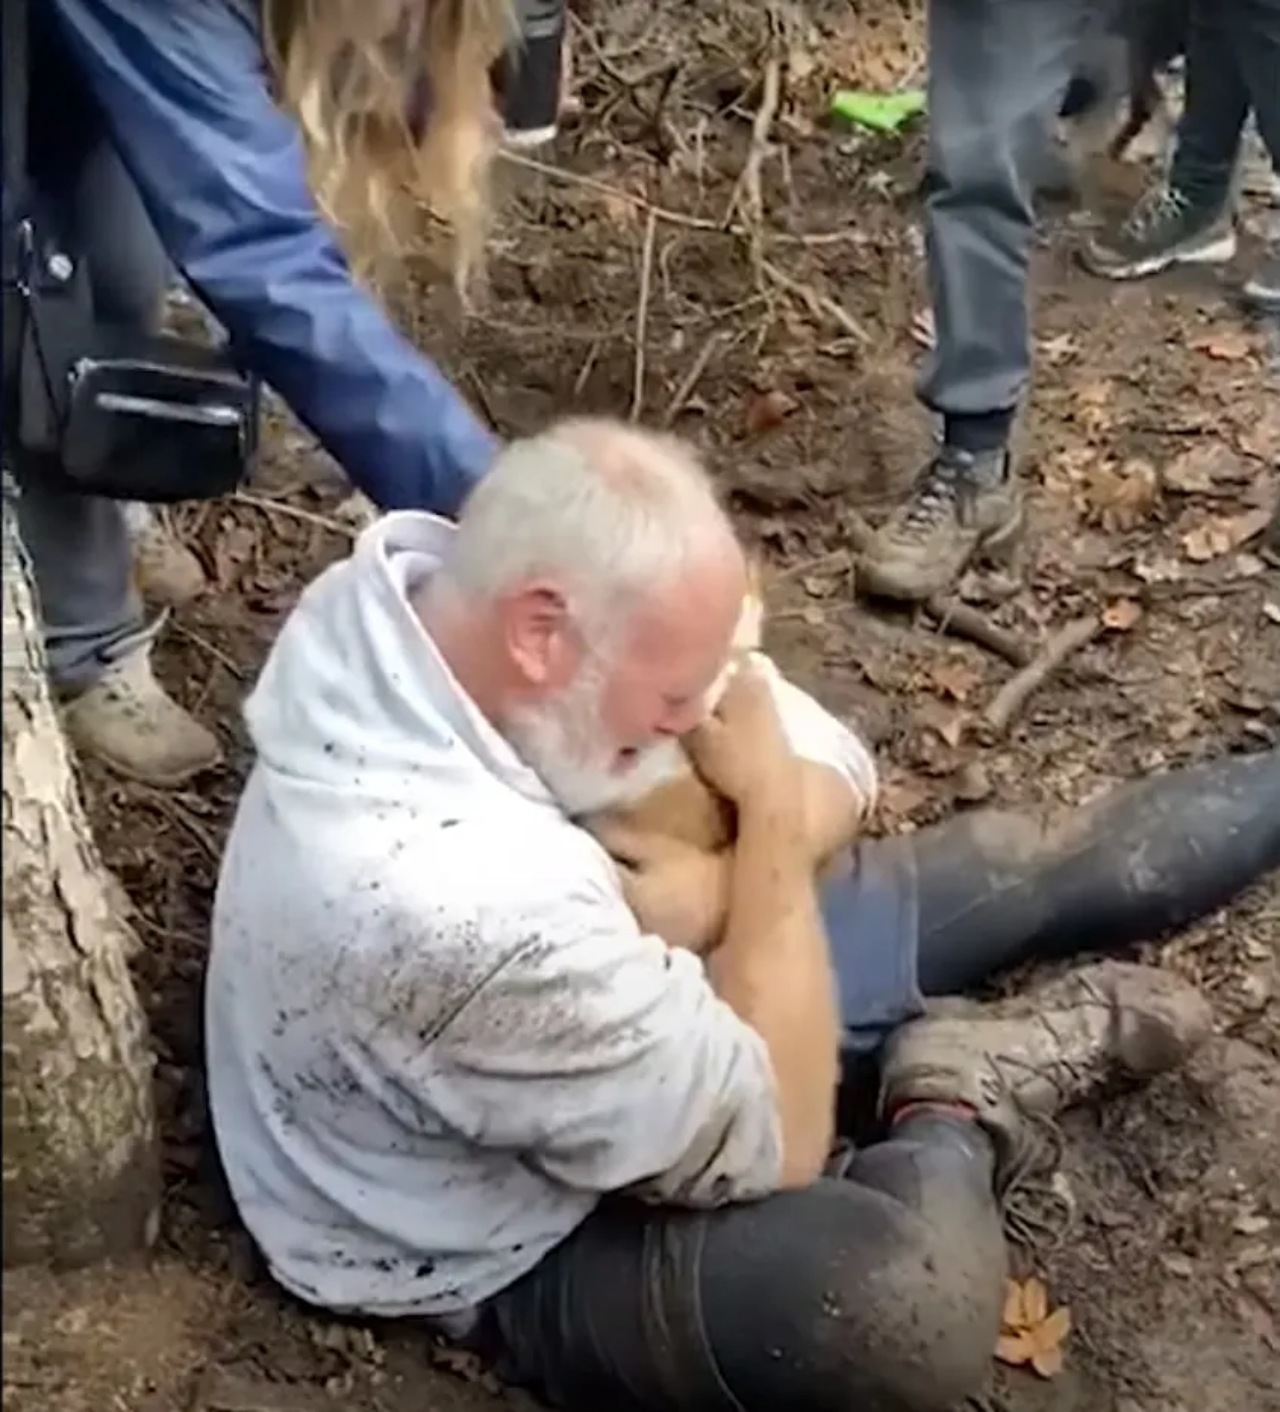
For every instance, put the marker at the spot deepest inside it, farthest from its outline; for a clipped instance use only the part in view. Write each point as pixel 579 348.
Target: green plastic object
pixel 881 112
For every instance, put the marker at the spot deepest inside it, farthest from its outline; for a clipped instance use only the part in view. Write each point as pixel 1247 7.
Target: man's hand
pixel 742 751
pixel 676 892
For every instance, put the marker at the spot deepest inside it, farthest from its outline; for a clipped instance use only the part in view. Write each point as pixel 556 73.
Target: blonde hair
pixel 394 101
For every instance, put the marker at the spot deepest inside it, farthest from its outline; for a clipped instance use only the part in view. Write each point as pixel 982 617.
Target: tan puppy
pixel 680 806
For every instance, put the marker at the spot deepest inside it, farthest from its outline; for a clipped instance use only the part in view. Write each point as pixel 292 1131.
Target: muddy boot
pixel 1261 290
pixel 1165 228
pixel 996 889
pixel 127 720
pixel 963 506
pixel 166 572
pixel 1047 1050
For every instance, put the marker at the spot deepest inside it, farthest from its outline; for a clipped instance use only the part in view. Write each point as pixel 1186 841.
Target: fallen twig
pixel 1015 693
pixel 680 397
pixel 819 305
pixel 642 315
pixel 951 616
pixel 203 643
pixel 666 214
pixel 748 198
pixel 294 512
pixel 959 620
pixel 588 364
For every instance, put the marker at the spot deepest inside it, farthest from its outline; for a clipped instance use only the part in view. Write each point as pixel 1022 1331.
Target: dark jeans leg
pixel 877 1292
pixel 79 545
pixel 1217 103
pixel 1256 30
pixel 941 911
pixel 998 70
pixel 998 889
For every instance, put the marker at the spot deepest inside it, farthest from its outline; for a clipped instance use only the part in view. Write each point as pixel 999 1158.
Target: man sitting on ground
pixel 455 1075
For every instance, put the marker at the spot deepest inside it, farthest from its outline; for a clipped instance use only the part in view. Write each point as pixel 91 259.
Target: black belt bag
pixel 117 412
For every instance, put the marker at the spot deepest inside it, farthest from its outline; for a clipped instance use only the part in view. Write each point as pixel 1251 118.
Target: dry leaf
pixel 1162 568
pixel 1261 437
pixel 1228 345
pixel 619 208
pixel 955 678
pixel 1030 1333
pixel 1035 1302
pixel 233 552
pixel 1221 536
pixel 1058 348
pixel 1121 499
pixel 1121 615
pixel 1201 468
pixel 1015 1349
pixel 766 410
pixel 1047 1361
pixel 1014 1316
pixel 1093 407
pixel 901 797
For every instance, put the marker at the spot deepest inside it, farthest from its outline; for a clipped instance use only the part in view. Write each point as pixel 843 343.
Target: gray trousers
pixel 998 70
pixel 79 545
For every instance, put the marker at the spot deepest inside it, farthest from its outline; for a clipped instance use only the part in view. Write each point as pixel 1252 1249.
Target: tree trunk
pixel 81 1167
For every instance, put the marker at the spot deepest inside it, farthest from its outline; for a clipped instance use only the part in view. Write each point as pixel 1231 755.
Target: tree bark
pixel 81 1165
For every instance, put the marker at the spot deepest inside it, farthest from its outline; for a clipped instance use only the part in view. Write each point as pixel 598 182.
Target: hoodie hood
pixel 354 694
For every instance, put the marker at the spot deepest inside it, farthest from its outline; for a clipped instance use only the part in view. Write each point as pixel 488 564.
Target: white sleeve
pixel 605 1058
pixel 815 734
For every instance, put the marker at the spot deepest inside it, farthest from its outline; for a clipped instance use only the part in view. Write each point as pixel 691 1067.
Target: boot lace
pixel 1161 207
pixel 933 501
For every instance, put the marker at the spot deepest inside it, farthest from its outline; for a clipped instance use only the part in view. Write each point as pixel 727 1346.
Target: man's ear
pixel 540 635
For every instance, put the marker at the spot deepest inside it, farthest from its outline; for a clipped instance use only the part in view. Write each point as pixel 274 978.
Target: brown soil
pixel 1152 441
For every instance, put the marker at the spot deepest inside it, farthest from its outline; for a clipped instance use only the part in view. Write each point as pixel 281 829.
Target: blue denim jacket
pixel 182 86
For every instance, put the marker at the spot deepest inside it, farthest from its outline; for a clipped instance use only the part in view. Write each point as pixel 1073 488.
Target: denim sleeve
pixel 221 170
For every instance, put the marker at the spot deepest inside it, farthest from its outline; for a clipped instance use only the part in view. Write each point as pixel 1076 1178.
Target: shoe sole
pixel 1261 300
pixel 1217 252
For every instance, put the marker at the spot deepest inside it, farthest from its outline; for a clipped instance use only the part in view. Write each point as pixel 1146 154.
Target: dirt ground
pixel 786 352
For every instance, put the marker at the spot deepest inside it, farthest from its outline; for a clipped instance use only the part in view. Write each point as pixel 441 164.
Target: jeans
pixel 79 545
pixel 1233 64
pixel 879 1290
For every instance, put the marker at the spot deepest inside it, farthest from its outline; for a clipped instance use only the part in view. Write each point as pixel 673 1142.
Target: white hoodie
pixel 435 1033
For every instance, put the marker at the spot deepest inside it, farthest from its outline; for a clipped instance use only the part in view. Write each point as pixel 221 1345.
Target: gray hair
pixel 607 510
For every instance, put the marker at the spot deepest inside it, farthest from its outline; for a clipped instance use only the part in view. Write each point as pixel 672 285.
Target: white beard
pixel 561 743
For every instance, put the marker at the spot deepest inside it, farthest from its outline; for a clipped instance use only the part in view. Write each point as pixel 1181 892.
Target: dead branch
pixel 588 364
pixel 295 512
pixel 1017 691
pixel 747 198
pixel 821 306
pixel 642 315
pixel 681 395
pixel 959 620
pixel 665 213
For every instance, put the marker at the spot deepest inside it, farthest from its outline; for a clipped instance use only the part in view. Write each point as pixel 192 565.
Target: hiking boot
pixel 1261 290
pixel 127 720
pixel 1036 1054
pixel 1164 228
pixel 963 506
pixel 166 572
